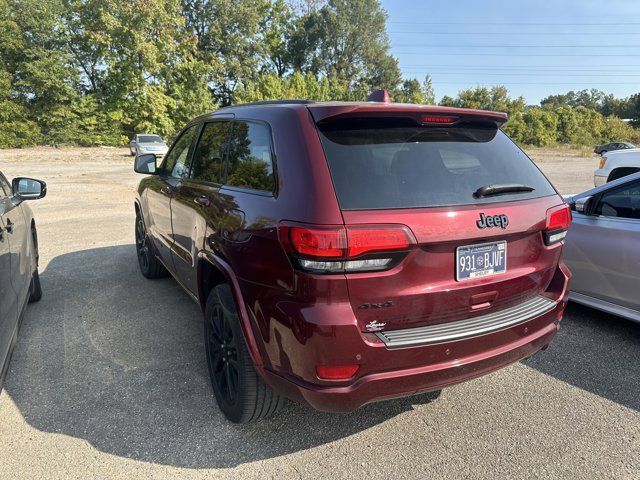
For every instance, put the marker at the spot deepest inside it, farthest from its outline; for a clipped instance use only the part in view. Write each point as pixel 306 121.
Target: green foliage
pixel 94 72
pixel 571 118
pixel 17 129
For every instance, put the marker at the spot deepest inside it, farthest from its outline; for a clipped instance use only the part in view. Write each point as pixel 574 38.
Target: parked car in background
pixel 608 147
pixel 19 280
pixel 143 143
pixel 344 253
pixel 603 247
pixel 616 165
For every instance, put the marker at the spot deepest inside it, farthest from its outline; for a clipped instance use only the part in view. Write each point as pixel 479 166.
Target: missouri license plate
pixel 483 260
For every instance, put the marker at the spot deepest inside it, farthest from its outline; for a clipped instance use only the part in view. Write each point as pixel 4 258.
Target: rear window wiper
pixel 501 188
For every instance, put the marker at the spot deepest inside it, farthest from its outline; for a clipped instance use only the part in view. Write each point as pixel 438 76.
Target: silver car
pixel 603 247
pixel 144 143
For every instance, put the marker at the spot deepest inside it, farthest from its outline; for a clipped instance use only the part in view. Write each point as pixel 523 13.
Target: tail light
pixel 603 160
pixel 558 221
pixel 357 248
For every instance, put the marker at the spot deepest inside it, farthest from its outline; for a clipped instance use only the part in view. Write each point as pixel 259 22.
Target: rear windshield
pixel 380 164
pixel 149 139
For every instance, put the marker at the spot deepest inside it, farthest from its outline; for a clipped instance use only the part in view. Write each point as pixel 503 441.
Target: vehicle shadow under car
pixel 117 360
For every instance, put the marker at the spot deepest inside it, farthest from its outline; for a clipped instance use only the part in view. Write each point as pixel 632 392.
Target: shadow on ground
pixel 597 352
pixel 117 360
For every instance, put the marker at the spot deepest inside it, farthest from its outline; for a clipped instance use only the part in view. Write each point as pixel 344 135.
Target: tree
pixel 229 40
pixel 428 92
pixel 347 39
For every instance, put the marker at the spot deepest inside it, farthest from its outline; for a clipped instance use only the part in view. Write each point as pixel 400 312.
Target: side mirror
pixel 145 164
pixel 583 205
pixel 28 188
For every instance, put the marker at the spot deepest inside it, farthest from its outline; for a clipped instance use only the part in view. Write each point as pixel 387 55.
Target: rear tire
pixel 35 288
pixel 240 392
pixel 150 266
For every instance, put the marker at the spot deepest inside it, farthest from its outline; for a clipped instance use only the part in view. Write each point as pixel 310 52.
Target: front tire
pixel 150 266
pixel 240 392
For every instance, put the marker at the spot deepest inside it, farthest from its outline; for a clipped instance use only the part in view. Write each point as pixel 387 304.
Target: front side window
pixel 250 163
pixel 176 163
pixel 391 163
pixel 210 154
pixel 621 202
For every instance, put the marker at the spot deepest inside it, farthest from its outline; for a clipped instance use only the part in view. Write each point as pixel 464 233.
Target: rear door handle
pixel 203 201
pixel 9 227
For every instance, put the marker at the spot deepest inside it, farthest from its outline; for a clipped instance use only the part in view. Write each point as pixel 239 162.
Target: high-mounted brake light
pixel 332 249
pixel 558 221
pixel 439 119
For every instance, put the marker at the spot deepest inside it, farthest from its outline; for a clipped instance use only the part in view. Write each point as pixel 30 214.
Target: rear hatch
pixel 475 249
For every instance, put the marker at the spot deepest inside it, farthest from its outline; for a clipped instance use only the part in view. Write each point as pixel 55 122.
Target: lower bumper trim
pixel 468 328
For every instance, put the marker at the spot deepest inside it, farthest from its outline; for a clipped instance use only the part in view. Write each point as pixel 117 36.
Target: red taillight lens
pixel 558 217
pixel 439 119
pixel 336 372
pixel 356 248
pixel 319 242
pixel 363 240
pixel 558 221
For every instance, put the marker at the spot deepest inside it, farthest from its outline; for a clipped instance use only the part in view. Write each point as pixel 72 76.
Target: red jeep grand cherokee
pixel 344 253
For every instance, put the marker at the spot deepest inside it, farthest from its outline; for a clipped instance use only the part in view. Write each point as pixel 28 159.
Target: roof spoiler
pixel 423 114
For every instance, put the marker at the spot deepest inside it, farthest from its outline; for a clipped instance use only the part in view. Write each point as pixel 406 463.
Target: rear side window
pixel 385 164
pixel 209 156
pixel 250 163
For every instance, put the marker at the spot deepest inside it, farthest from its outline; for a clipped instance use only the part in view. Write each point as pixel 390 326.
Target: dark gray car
pixel 609 147
pixel 19 280
pixel 603 247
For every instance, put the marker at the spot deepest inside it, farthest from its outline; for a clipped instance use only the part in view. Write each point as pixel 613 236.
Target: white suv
pixel 617 164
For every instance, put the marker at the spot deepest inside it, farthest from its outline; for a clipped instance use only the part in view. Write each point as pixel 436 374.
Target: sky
pixel 534 48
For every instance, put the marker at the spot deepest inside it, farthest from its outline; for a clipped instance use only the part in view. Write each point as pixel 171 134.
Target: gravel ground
pixel 109 380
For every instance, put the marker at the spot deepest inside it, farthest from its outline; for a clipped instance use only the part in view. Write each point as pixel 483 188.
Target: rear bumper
pixel 400 383
pixel 391 370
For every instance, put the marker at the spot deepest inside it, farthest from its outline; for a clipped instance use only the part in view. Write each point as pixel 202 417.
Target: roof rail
pixel 293 101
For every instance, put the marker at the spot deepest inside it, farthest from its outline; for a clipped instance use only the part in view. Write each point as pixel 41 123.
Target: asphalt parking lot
pixel 109 379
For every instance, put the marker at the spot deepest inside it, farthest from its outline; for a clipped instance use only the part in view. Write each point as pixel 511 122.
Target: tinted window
pixel 210 154
pixel 250 163
pixel 385 163
pixel 149 139
pixel 176 163
pixel 621 202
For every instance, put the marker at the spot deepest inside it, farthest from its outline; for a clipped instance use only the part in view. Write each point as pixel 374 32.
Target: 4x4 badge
pixel 492 221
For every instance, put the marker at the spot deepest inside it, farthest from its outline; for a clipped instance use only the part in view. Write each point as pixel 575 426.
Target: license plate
pixel 483 260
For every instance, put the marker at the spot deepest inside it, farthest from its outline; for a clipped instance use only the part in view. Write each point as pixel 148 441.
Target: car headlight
pixel 603 160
